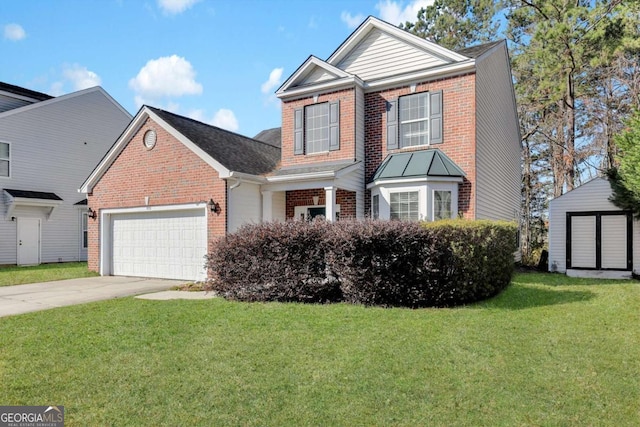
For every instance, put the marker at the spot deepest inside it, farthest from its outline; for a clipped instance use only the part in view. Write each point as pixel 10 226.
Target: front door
pixel 28 241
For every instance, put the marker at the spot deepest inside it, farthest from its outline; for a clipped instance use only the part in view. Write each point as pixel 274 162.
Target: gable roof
pixel 229 153
pixel 22 92
pixel 418 164
pixel 236 152
pixel 377 54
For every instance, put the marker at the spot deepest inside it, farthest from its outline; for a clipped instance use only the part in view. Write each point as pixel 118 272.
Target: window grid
pixel 404 206
pixel 414 120
pixel 317 128
pixel 4 159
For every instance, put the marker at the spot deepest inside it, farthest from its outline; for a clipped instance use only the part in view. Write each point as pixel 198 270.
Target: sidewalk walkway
pixel 42 296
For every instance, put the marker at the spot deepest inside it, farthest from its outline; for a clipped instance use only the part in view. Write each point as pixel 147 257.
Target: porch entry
pixel 28 241
pixel 599 240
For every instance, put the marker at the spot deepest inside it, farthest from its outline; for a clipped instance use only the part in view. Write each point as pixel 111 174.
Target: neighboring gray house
pixel 48 146
pixel 591 237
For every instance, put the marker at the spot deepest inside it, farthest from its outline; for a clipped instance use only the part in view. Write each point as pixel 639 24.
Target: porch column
pixel 267 206
pixel 330 207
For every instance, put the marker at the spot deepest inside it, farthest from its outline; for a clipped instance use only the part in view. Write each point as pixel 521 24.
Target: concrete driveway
pixel 42 296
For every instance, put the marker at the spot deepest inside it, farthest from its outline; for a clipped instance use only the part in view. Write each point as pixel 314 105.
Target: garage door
pixel 163 244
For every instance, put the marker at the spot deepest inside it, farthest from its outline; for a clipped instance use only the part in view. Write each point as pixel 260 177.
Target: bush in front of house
pixel 277 261
pixel 384 263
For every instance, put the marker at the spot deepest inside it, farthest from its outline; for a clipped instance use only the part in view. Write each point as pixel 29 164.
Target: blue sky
pixel 217 61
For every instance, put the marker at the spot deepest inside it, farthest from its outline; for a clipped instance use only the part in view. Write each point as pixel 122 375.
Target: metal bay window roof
pixel 418 164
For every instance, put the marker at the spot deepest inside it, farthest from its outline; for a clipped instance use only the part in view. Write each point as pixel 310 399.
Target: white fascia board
pixel 371 23
pixel 383 182
pixel 162 208
pixel 222 170
pixel 306 67
pixel 421 76
pixel 13 202
pixel 126 136
pixel 245 177
pixel 301 177
pixel 300 92
pixel 299 185
pixel 114 151
pixel 347 170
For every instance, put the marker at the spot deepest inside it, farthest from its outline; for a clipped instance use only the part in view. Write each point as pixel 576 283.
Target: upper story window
pixel 5 158
pixel 415 120
pixel 317 128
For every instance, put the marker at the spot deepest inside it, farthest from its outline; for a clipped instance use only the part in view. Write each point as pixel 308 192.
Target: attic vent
pixel 150 139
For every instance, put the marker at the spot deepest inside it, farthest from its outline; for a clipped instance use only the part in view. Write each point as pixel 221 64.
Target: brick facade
pixel 169 174
pixel 347 129
pixel 458 131
pixel 346 200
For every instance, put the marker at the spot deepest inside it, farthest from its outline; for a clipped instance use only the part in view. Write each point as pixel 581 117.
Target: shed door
pixel 583 242
pixel 163 244
pixel 600 240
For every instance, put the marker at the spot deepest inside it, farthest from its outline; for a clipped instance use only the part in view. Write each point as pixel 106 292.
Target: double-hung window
pixel 317 128
pixel 404 206
pixel 415 120
pixel 5 158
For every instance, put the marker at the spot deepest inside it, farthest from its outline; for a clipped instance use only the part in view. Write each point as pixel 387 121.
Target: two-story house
pixel 390 126
pixel 47 146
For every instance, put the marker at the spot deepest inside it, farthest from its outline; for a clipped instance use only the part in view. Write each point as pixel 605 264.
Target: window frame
pixel 409 210
pixel 7 159
pixel 401 137
pixel 433 213
pixel 84 230
pixel 306 128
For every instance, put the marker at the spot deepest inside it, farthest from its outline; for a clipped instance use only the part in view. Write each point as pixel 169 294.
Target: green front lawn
pixel 548 351
pixel 14 275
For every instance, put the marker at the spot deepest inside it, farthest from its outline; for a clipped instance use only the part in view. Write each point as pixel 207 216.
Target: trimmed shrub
pixel 278 261
pixel 385 263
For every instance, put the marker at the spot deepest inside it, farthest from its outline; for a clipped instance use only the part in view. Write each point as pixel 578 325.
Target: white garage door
pixel 164 244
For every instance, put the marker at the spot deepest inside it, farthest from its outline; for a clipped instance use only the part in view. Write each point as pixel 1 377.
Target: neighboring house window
pixel 317 128
pixel 85 231
pixel 415 120
pixel 441 205
pixel 404 206
pixel 4 159
pixel 375 206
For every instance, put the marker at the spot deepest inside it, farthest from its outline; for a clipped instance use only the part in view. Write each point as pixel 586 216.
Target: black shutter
pixel 392 125
pixel 435 117
pixel 298 140
pixel 334 125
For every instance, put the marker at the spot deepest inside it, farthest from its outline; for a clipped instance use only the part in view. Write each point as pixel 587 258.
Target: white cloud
pixel 274 80
pixel 165 77
pixel 225 119
pixel 14 32
pixel 395 12
pixel 352 21
pixel 174 7
pixel 80 77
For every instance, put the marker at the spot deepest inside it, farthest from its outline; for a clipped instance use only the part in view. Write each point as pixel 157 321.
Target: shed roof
pixel 415 164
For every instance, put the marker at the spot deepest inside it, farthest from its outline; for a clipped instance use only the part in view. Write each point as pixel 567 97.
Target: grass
pixel 550 350
pixel 14 275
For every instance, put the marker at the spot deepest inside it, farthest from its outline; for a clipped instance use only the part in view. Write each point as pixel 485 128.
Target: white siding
pixel 614 241
pixel 590 197
pixel 318 75
pixel 244 206
pixel 583 242
pixel 54 147
pixel 498 148
pixel 279 206
pixel 382 55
